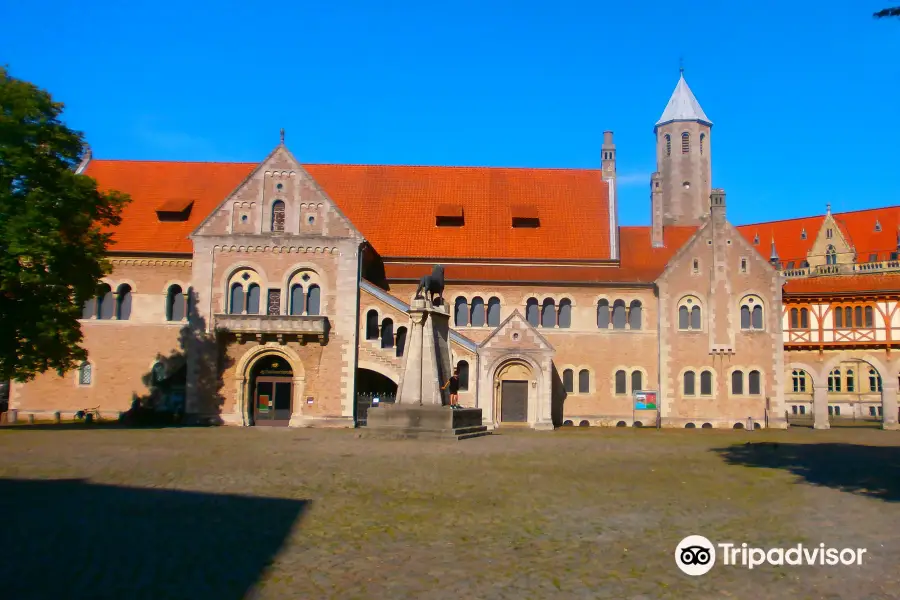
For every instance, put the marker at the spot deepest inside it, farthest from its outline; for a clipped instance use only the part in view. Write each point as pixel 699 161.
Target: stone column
pixel 426 363
pixel 820 406
pixel 889 406
pixel 297 401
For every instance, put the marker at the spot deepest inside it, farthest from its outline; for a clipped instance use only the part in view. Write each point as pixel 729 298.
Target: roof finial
pixel 681 66
pixel 828 208
pixel 282 135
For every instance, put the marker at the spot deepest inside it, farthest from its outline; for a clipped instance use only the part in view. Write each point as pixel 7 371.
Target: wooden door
pixel 514 402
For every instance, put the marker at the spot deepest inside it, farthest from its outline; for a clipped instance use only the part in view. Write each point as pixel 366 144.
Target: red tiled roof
pixel 393 206
pixel 857 226
pixel 843 284
pixel 640 264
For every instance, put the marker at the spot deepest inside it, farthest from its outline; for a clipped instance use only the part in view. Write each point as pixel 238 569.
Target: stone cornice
pixel 277 249
pixel 149 262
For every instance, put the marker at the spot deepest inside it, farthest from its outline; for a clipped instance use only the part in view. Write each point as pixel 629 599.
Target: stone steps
pixel 467 433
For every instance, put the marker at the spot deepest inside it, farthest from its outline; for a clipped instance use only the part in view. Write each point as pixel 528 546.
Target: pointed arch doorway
pixel 271 388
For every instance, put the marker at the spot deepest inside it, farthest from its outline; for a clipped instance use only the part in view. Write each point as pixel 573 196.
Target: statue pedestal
pixel 421 409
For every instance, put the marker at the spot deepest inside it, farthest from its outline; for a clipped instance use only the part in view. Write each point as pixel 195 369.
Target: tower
pixel 608 168
pixel 683 163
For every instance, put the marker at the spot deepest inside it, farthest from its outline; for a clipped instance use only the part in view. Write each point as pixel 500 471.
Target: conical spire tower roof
pixel 683 106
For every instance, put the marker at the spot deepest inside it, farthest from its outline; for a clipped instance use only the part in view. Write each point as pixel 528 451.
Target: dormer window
pixel 756 240
pixel 877 225
pixel 176 209
pixel 524 216
pixel 803 234
pixel 449 215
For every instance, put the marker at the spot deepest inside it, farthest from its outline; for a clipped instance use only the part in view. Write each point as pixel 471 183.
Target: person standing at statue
pixel 453 384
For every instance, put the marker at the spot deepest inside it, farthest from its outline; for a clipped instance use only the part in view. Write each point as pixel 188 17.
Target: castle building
pixel 277 294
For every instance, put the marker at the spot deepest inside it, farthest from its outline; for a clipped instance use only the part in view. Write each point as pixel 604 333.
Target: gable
pixel 515 333
pixel 278 196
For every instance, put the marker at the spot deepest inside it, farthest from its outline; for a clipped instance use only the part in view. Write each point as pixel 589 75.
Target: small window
pixel 706 383
pixel 828 233
pixel 683 317
pixel 798 378
pixel 696 265
pixel 756 240
pixel 851 381
pixel 123 302
pixel 106 302
pixel 463 367
pixel 634 315
pixel 85 374
pixel 830 255
pixel 236 301
pixel 618 316
pixel 532 312
pixel 737 383
pixel 834 380
pixel 753 381
pixel 493 312
pixel 476 310
pixel 313 300
pixel 689 382
pixel 743 265
pixel 702 139
pixel 278 216
pixel 870 319
pixel 175 303
pixel 621 382
pixel 637 381
pixel 372 325
pixel 401 341
pixel 461 312
pixel 873 257
pixel 253 299
pixel 387 333
pixel 803 234
pixel 548 313
pixel 795 318
pixel 685 142
pixel 874 381
pixel 668 145
pixel 695 318
pixel 877 225
pixel 565 313
pixel 569 381
pixel 298 303
pixel 804 318
pixel 584 381
pixel 603 314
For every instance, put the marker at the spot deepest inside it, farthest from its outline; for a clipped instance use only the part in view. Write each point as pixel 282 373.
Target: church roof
pixel 395 207
pixel 683 106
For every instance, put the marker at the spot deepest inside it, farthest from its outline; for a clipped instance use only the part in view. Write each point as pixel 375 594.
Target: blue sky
pixel 804 95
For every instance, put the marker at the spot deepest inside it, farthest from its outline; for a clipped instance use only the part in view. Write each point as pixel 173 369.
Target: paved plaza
pixel 576 513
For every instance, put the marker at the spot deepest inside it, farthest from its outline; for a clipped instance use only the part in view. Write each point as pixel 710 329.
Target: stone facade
pixel 282 289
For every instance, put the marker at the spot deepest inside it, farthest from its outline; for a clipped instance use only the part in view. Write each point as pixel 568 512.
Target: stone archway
pixel 514 381
pixel 245 381
pixel 889 387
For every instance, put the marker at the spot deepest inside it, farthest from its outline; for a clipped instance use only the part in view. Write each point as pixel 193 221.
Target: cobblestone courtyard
pixel 261 513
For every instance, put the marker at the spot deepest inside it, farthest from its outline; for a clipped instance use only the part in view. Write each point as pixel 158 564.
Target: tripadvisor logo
pixel 696 555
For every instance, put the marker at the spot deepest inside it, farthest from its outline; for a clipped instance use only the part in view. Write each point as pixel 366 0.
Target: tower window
pixel 668 145
pixel 702 139
pixel 685 142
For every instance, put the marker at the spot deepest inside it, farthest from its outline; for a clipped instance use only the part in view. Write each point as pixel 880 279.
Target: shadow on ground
pixel 867 470
pixel 75 539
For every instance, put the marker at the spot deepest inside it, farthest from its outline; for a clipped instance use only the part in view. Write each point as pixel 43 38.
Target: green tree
pixel 52 240
pixel 888 12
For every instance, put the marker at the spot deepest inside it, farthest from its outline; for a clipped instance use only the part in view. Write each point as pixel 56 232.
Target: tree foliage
pixel 888 12
pixel 52 239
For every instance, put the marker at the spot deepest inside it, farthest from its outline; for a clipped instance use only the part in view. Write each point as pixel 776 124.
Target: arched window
pixel 621 382
pixel 548 313
pixel 689 383
pixel 834 380
pixel 874 381
pixel 830 255
pixel 798 379
pixel 603 314
pixel 372 325
pixel 313 300
pixel 689 313
pixel 848 316
pixel 838 318
pixel 278 216
pixel 236 302
pixel 685 142
pixel 737 383
pixel 858 313
pixel 618 315
pixel 695 318
pixel 493 312
pixel 85 374
pixel 870 318
pixel 634 314
pixel 297 301
pixel 569 381
pixel 706 383
pixel 477 311
pixel 387 333
pixel 253 299
pixel 463 367
pixel 668 145
pixel 753 383
pixel 461 312
pixel 106 302
pixel 702 139
pixel 123 302
pixel 565 313
pixel 851 383
pixel 795 318
pixel 684 318
pixel 174 303
pixel 584 381
pixel 637 383
pixel 401 341
pixel 89 309
pixel 751 312
pixel 532 312
pixel 804 318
